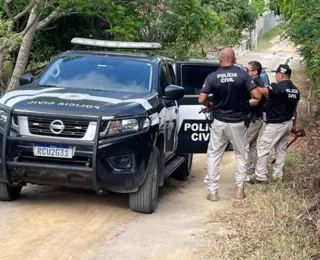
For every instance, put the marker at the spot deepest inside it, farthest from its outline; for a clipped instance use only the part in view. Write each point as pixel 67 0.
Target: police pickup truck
pixel 104 120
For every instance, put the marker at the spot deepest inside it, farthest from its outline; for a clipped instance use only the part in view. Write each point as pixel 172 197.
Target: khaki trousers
pixel 253 134
pixel 220 134
pixel 274 136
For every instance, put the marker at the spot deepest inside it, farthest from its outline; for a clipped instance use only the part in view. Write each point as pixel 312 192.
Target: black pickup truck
pixel 104 120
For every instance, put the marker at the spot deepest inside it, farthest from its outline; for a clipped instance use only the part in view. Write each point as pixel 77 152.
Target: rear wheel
pixel 145 199
pixel 8 193
pixel 184 170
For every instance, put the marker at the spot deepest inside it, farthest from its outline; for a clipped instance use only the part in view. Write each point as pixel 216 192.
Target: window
pixel 193 77
pixel 164 82
pixel 99 72
pixel 171 74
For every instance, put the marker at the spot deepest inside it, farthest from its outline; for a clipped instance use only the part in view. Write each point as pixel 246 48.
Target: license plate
pixel 61 151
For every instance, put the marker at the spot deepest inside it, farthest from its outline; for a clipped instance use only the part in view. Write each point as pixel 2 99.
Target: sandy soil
pixel 59 223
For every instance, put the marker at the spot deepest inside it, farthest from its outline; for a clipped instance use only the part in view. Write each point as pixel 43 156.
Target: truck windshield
pixel 99 73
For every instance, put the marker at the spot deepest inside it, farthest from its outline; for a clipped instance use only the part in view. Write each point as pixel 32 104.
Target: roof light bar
pixel 117 44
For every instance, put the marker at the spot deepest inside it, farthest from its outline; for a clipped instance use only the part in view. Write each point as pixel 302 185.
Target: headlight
pixel 124 126
pixel 3 116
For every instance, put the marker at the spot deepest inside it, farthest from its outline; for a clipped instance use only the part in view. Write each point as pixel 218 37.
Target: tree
pixel 24 18
pixel 176 24
pixel 259 6
pixel 235 17
pixel 8 42
pixel 301 25
pixel 184 27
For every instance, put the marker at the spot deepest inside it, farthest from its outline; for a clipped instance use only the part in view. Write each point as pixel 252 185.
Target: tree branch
pixel 53 16
pixel 25 11
pixel 7 8
pixel 24 32
pixel 48 28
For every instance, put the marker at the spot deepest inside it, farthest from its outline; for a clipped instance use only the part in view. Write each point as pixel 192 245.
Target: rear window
pixel 193 77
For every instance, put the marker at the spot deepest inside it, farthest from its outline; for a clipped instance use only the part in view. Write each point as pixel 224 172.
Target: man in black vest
pixel 254 69
pixel 230 87
pixel 281 120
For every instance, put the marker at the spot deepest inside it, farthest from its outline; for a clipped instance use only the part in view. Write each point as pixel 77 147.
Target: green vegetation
pixel 235 16
pixel 301 25
pixel 292 159
pixel 275 221
pixel 272 33
pixel 264 42
pixel 185 28
pixel 259 6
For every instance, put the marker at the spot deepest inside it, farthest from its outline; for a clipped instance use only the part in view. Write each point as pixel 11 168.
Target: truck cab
pixel 95 119
pixel 105 121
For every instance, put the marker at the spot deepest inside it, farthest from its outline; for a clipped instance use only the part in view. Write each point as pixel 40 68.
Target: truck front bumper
pixel 115 164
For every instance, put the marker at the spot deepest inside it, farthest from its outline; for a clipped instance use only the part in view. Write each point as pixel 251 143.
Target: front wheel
pixel 145 199
pixel 184 170
pixel 8 193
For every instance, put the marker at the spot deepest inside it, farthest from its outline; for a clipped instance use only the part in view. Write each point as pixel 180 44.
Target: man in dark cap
pixel 281 118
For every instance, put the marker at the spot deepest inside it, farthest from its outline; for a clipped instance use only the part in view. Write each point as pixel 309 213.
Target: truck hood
pixel 77 101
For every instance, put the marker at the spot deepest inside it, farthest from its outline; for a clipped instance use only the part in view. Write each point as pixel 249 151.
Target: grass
pixel 275 221
pixel 264 42
pixel 292 159
pixel 272 33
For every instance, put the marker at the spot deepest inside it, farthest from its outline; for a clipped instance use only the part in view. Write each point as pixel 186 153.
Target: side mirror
pixel 173 92
pixel 26 79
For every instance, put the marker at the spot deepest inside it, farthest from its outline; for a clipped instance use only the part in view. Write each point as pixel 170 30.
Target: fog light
pixel 122 162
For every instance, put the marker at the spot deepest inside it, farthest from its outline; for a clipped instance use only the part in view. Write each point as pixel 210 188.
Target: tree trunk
pixel 23 55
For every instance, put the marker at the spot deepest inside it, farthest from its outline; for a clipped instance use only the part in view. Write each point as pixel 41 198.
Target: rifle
pixel 299 133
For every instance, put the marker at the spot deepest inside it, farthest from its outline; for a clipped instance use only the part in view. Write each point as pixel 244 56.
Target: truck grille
pixel 72 129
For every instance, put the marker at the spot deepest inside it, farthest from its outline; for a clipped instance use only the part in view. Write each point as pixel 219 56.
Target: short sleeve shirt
pixel 284 96
pixel 258 110
pixel 230 87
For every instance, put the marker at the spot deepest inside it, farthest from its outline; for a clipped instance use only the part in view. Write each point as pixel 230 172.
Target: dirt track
pixel 58 223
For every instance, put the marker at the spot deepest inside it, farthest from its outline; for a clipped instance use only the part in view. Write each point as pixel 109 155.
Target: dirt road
pixel 59 223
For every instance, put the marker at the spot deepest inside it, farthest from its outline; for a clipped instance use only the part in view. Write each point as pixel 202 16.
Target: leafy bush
pixel 259 6
pixel 302 26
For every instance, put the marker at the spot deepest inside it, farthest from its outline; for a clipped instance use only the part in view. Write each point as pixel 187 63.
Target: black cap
pixel 284 69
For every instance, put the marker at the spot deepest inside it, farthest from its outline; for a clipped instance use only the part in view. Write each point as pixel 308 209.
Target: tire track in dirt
pixel 52 223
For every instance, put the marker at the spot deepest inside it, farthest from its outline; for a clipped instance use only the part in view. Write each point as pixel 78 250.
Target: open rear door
pixel 193 128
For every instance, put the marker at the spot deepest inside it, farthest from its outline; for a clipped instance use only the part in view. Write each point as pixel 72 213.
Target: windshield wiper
pixel 48 86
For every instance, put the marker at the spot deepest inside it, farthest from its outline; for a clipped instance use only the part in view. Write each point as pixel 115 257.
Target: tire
pixel 184 170
pixel 8 193
pixel 146 198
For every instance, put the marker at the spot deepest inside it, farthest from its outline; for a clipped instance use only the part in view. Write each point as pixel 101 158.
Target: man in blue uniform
pixel 281 120
pixel 231 88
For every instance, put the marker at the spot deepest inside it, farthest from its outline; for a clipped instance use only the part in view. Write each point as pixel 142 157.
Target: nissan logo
pixel 57 127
